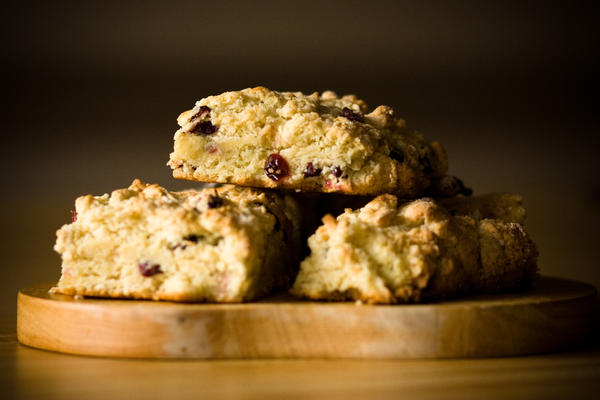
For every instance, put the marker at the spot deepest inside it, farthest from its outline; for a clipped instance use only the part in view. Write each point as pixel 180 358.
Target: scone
pixel 225 244
pixel 316 143
pixel 389 252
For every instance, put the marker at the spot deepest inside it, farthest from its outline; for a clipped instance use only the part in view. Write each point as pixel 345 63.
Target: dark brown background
pixel 94 89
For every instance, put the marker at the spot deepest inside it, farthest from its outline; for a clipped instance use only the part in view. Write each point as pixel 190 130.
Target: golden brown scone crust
pixel 390 252
pixel 225 244
pixel 328 144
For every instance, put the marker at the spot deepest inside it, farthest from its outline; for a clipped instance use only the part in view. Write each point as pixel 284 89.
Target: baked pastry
pixel 316 143
pixel 389 252
pixel 225 244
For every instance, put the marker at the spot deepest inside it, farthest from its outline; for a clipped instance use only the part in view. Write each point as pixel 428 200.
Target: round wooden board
pixel 553 315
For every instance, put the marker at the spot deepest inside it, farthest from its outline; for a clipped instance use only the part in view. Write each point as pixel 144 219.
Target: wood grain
pixel 554 315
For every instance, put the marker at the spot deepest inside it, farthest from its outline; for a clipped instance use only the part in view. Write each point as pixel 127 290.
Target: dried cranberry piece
pixel 178 246
pixel 73 216
pixel 351 115
pixel 337 171
pixel 276 167
pixel 148 268
pixel 204 128
pixel 202 111
pixel 214 201
pixel 462 189
pixel 187 238
pixel 311 170
pixel 397 155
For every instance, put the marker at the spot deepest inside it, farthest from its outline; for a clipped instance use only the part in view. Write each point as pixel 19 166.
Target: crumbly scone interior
pixel 229 138
pixel 220 244
pixel 388 252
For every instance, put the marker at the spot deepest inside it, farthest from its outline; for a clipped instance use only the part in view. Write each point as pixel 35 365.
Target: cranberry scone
pixel 225 244
pixel 391 252
pixel 315 143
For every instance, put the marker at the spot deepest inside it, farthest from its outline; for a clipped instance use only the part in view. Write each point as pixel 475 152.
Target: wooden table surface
pixel 31 373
